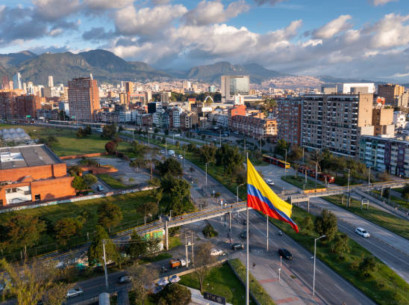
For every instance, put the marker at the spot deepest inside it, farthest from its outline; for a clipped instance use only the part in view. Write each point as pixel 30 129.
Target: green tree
pixel 111 147
pixel 202 261
pixel 79 184
pixel 137 246
pixel 75 170
pixel 170 166
pixel 367 266
pixel 281 147
pixel 66 228
pixel 95 252
pixel 87 130
pixel 21 231
pixel 175 294
pixel 176 194
pixel 80 133
pixel 341 245
pixel 326 224
pixel 139 150
pixel 142 277
pixel 56 294
pixel 148 208
pixel 295 153
pixel 230 158
pixel 207 153
pixel 109 215
pixel 90 179
pixel 308 223
pixel 109 131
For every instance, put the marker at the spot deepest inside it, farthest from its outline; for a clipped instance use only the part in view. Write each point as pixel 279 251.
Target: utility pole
pixel 105 264
pixel 315 256
pixel 193 252
pixel 206 173
pixel 349 194
pixel 187 250
pixel 285 164
pixel 369 176
pixel 267 232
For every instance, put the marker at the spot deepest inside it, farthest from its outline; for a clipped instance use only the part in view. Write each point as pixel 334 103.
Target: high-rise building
pixel 17 81
pixel 335 122
pixel 391 93
pixel 232 85
pixel 50 81
pixel 27 105
pixel 289 120
pixel 83 98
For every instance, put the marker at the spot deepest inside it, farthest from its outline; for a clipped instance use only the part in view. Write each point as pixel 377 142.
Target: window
pixel 37 197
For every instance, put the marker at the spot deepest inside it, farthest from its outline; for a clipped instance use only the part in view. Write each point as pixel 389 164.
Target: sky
pixel 364 39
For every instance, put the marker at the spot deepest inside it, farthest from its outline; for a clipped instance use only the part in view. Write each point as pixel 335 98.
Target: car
pixel 124 279
pixel 237 246
pixel 269 182
pixel 362 232
pixel 180 157
pixel 100 188
pixel 243 235
pixel 285 253
pixel 162 151
pixel 74 292
pixel 216 252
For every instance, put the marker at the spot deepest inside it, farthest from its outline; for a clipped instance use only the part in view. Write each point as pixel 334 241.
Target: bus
pixel 321 176
pixel 276 161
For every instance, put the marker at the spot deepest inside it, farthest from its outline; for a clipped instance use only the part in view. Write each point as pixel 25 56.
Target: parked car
pixel 124 279
pixel 285 253
pixel 216 252
pixel 180 157
pixel 237 246
pixel 269 182
pixel 100 188
pixel 74 292
pixel 362 232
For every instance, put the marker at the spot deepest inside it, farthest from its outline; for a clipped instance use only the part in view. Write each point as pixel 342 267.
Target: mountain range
pixel 106 66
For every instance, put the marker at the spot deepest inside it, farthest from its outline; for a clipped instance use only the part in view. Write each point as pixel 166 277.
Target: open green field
pixel 299 181
pixel 68 143
pixel 384 286
pixel 220 281
pixel 88 210
pixel 112 182
pixel 383 219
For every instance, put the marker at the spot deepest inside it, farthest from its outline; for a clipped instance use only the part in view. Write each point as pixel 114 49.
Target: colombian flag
pixel 262 198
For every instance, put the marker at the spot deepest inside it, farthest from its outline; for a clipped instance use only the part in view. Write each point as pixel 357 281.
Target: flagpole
pixel 248 255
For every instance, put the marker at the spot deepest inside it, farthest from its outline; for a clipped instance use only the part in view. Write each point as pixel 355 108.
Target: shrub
pixel 209 231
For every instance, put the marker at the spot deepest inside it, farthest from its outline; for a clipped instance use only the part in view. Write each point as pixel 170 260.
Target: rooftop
pixel 26 156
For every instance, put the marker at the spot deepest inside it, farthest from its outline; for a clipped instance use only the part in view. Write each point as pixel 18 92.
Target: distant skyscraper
pixel 5 83
pixel 50 81
pixel 17 81
pixel 83 98
pixel 233 85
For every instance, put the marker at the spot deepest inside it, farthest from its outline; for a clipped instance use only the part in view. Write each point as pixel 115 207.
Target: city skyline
pixel 361 39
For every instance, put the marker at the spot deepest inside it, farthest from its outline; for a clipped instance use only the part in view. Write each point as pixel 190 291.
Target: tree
pixel 147 208
pixel 90 179
pixel 29 283
pixel 66 228
pixel 326 224
pixel 75 170
pixel 139 150
pixel 341 245
pixel 137 246
pixel 109 131
pixel 230 158
pixel 57 294
pixel 176 194
pixel 281 147
pixel 170 166
pixel 295 153
pixel 111 147
pixel 80 133
pixel 367 266
pixel 202 260
pixel 95 252
pixel 175 294
pixel 109 215
pixel 87 130
pixel 79 184
pixel 21 231
pixel 207 153
pixel 308 224
pixel 142 278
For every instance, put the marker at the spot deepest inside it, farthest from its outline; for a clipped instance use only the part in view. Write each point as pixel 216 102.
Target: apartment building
pixel 335 122
pixel 289 120
pixel 254 127
pixel 385 154
pixel 382 119
pixel 83 98
pixel 391 93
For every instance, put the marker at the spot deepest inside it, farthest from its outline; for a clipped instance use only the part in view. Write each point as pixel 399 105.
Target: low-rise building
pixel 254 127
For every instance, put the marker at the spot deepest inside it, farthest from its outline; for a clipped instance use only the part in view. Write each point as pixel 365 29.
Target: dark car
pixel 285 253
pixel 237 246
pixel 243 235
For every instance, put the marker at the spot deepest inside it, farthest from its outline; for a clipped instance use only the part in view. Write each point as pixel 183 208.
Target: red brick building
pixel 32 173
pixel 254 127
pixel 289 120
pixel 83 98
pixel 28 105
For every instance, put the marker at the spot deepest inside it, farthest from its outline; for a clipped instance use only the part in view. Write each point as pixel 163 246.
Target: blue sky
pixel 342 38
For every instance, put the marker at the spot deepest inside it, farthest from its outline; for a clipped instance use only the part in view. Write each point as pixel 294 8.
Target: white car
pixel 74 292
pixel 362 232
pixel 180 157
pixel 216 252
pixel 269 182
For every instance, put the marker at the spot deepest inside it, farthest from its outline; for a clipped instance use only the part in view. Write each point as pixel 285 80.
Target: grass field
pixel 383 219
pixel 220 281
pixel 68 143
pixel 384 286
pixel 299 182
pixel 112 182
pixel 87 209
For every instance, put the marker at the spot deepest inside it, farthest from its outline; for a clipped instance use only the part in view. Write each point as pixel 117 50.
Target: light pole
pixel 369 176
pixel 315 255
pixel 206 172
pixel 349 175
pixel 105 264
pixel 170 215
pixel 237 192
pixel 285 164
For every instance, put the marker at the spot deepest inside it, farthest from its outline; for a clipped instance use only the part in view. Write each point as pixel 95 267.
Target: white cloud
pixel 333 27
pixel 382 2
pixel 55 9
pixel 209 12
pixel 391 31
pixel 147 21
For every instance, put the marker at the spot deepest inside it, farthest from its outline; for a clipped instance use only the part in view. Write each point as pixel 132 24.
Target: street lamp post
pixel 237 192
pixel 206 173
pixel 369 176
pixel 285 164
pixel 315 255
pixel 349 176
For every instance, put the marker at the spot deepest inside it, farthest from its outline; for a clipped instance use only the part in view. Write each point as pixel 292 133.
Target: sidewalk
pixel 279 290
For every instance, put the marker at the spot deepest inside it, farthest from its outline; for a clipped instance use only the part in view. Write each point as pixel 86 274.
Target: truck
pixel 176 263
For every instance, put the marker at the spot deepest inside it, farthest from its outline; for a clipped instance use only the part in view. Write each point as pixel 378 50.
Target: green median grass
pixel 384 286
pixel 88 210
pixel 299 181
pixel 112 182
pixel 221 281
pixel 375 215
pixel 394 199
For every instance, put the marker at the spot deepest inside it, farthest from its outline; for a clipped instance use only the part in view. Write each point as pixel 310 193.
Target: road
pixel 390 248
